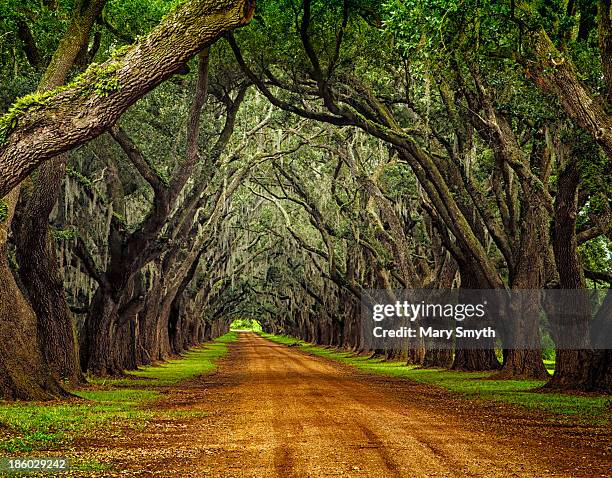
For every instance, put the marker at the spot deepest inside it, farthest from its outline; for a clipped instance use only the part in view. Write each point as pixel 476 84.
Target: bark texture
pixel 36 253
pixel 23 372
pixel 68 117
pixel 555 73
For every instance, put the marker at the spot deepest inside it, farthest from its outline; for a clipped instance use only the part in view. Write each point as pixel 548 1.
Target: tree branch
pixel 146 170
pixel 88 261
pixel 29 45
pixel 70 116
pixel 598 276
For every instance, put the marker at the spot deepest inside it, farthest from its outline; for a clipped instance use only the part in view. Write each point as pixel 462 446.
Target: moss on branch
pixel 99 78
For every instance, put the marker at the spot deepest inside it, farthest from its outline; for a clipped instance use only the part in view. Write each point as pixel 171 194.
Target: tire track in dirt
pixel 320 413
pixel 464 452
pixel 284 454
pixel 372 403
pixel 425 453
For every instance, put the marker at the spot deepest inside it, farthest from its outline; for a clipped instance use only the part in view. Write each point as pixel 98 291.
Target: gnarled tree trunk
pixel 473 359
pixel 572 366
pixel 23 372
pixel 38 267
pixel 526 360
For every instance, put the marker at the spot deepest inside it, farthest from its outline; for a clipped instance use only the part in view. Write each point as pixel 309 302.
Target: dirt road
pixel 276 412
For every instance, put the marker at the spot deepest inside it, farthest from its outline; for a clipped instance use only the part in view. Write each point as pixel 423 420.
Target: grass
pixel 33 426
pixel 472 385
pixel 197 361
pixel 90 466
pixel 27 426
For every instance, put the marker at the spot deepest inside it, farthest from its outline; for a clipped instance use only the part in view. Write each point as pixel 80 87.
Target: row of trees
pixel 328 148
pixel 125 229
pixel 475 139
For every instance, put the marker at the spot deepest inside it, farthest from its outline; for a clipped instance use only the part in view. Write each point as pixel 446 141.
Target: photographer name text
pixel 433 333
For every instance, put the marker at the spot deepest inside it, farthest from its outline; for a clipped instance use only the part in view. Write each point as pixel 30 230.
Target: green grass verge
pixel 197 361
pixel 591 409
pixel 27 426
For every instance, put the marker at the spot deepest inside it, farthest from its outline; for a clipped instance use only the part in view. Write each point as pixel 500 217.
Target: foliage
pixel 80 178
pixel 27 103
pixel 63 234
pixel 250 325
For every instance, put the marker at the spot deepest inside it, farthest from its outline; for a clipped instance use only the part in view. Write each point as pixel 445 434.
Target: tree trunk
pixel 23 372
pixel 473 359
pixel 572 367
pixel 38 268
pixel 39 273
pixel 108 342
pixel 526 361
pixel 182 328
pixel 601 371
pixel 523 363
pixel 149 343
pixel 572 370
pixel 601 367
pixel 36 255
pixel 438 358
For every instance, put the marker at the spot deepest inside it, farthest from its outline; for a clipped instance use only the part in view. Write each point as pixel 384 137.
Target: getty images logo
pixel 412 311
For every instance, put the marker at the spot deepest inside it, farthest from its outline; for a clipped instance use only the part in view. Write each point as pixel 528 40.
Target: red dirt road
pixel 276 412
